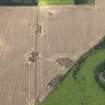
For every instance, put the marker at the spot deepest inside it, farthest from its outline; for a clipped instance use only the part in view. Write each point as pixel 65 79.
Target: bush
pixel 84 1
pixel 100 74
pixel 76 67
pixel 18 2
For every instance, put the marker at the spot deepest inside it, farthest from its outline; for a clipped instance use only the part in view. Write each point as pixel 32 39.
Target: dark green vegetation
pixel 100 74
pixel 84 1
pixel 18 2
pixel 45 2
pixel 79 86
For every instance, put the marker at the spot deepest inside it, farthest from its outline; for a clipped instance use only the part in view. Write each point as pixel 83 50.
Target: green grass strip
pixel 82 91
pixel 55 2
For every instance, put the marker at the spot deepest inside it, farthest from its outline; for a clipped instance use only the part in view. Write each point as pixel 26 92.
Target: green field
pixel 64 2
pixel 55 2
pixel 82 90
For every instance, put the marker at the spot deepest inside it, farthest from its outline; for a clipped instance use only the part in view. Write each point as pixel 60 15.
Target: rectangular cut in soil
pixel 65 62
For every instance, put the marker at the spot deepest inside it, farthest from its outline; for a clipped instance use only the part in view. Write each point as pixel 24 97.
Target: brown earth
pixel 65 31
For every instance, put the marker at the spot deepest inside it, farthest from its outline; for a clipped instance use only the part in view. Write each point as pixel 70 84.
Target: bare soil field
pixel 16 40
pixel 66 31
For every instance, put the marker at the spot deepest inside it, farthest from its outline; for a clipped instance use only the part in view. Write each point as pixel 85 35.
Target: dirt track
pixel 67 31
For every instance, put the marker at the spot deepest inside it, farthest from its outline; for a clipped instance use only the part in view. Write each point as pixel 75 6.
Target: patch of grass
pixel 55 2
pixel 65 2
pixel 82 91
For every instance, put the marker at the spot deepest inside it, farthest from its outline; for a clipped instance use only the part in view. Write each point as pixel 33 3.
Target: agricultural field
pixel 51 2
pixel 80 86
pixel 64 2
pixel 44 2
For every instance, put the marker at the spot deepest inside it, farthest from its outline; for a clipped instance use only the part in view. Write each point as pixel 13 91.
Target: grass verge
pixel 84 89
